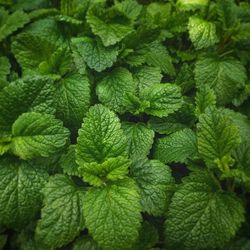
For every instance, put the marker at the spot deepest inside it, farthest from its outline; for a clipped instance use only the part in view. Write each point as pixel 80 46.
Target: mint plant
pixel 124 124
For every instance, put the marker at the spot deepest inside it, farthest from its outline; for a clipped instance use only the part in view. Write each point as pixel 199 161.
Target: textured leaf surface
pixel 140 139
pixel 226 76
pixel 112 214
pixel 30 94
pixel 177 147
pixel 98 174
pixel 20 192
pixel 73 99
pixel 100 137
pixel 4 67
pixel 10 23
pixel 156 185
pixel 95 55
pixel 145 77
pixel 113 90
pixel 85 243
pixel 202 33
pixel 109 32
pixel 62 216
pixel 36 134
pixel 201 216
pixel 30 50
pixel 217 136
pixel 164 99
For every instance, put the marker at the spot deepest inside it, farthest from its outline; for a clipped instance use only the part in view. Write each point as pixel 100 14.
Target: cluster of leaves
pixel 97 96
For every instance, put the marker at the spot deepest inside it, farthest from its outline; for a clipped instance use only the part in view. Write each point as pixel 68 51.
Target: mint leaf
pixel 98 174
pixel 112 214
pixel 110 32
pixel 62 217
pixel 85 243
pixel 176 147
pixel 164 99
pixel 202 33
pixel 30 50
pixel 140 139
pixel 216 136
pixel 217 74
pixel 145 77
pixel 10 23
pixel 20 192
pixel 100 137
pixel 36 134
pixel 95 55
pixel 201 215
pixel 156 185
pixel 28 94
pixel 4 67
pixel 72 99
pixel 114 88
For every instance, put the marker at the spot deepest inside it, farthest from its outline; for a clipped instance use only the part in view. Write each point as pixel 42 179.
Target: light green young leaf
pixel 226 76
pixel 145 77
pixel 201 216
pixel 37 134
pixel 112 214
pixel 177 147
pixel 62 216
pixel 202 33
pixel 20 192
pixel 140 139
pixel 114 88
pixel 204 99
pixel 156 185
pixel 217 136
pixel 11 23
pixel 68 162
pixel 100 137
pixel 28 94
pixel 98 174
pixel 110 32
pixel 95 55
pixel 72 99
pixel 192 4
pixel 164 99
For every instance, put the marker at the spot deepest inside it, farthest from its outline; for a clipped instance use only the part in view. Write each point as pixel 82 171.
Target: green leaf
pixel 3 240
pixel 164 99
pixel 95 55
pixel 72 99
pixel 110 32
pixel 130 8
pixel 140 139
pixel 85 243
pixel 112 214
pixel 100 137
pixel 114 88
pixel 98 174
pixel 4 67
pixel 201 216
pixel 36 134
pixel 68 162
pixel 192 4
pixel 62 216
pixel 177 147
pixel 202 33
pixel 204 99
pixel 148 237
pixel 145 77
pixel 156 185
pixel 10 23
pixel 20 192
pixel 30 50
pixel 216 136
pixel 24 95
pixel 226 76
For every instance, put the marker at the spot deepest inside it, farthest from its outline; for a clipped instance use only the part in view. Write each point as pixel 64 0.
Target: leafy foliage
pixel 96 97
